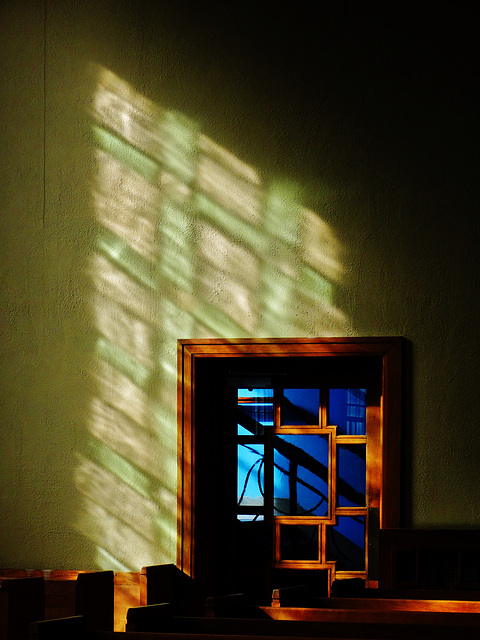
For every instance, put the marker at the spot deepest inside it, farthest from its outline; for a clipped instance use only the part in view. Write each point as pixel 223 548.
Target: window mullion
pixel 268 460
pixel 323 413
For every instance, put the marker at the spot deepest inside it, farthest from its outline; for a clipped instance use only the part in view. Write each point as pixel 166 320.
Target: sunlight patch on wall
pixel 190 242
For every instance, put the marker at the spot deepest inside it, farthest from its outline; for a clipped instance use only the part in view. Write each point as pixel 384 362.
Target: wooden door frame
pixel 389 349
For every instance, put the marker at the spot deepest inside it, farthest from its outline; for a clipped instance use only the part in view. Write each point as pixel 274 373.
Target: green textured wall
pixel 172 172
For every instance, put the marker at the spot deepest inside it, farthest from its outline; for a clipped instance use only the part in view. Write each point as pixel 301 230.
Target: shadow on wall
pixel 191 243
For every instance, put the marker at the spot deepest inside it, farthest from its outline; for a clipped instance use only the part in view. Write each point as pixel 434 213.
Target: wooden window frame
pixel 389 349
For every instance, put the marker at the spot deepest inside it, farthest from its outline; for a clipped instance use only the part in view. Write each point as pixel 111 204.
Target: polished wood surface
pixel 241 629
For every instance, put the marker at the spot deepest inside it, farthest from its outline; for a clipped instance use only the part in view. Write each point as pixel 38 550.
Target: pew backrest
pixel 94 599
pixel 167 583
pixel 311 623
pixel 22 601
pixel 398 604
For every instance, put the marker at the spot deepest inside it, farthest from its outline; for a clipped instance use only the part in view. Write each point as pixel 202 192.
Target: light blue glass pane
pixel 351 465
pixel 255 411
pixel 300 475
pixel 347 409
pixel 250 475
pixel 346 543
pixel 301 406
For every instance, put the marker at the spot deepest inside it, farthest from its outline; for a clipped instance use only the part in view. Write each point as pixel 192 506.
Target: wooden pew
pixel 8 574
pixel 410 594
pixel 65 596
pixel 167 583
pixel 55 594
pixel 432 561
pixel 387 616
pixel 285 621
pixel 87 593
pixel 22 600
pixel 397 604
pixel 289 598
pixel 241 629
pixel 94 599
pixel 329 634
pixel 126 594
pixel 60 586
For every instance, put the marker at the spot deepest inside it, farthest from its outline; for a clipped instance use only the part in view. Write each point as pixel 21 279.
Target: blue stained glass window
pixel 346 543
pixel 347 409
pixel 301 406
pixel 300 475
pixel 250 475
pixel 352 467
pixel 255 410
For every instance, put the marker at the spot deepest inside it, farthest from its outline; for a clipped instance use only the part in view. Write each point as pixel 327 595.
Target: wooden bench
pixel 397 604
pixel 396 616
pixel 47 595
pixel 284 598
pixel 241 629
pixel 167 583
pixel 67 595
pixel 22 600
pixel 60 588
pixel 433 561
pixel 281 621
pixel 126 594
pixel 86 593
pixel 94 599
pixel 287 601
pixel 152 585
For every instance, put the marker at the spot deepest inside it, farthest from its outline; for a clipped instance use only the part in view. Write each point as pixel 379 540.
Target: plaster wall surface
pixel 176 172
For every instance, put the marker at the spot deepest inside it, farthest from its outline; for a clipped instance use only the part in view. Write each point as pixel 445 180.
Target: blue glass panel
pixel 250 517
pixel 255 410
pixel 352 468
pixel 300 475
pixel 301 406
pixel 298 542
pixel 346 543
pixel 250 475
pixel 347 409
